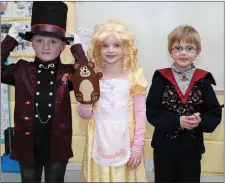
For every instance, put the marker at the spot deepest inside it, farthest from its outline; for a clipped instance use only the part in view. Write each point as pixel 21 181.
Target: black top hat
pixel 48 19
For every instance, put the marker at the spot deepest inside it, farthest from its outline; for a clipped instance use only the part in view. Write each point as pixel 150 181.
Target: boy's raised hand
pixel 15 29
pixel 76 38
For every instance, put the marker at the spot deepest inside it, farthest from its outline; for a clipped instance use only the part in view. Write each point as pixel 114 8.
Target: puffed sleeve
pixel 139 82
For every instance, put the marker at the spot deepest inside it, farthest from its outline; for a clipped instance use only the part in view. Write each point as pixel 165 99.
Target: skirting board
pixel 73 166
pixel 148 164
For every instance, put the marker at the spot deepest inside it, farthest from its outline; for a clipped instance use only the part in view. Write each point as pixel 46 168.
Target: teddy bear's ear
pixel 76 65
pixel 91 64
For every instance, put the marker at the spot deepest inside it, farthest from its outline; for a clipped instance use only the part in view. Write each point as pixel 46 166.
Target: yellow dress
pixel 91 171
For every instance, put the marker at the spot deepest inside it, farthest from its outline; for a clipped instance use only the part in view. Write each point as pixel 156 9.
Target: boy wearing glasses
pixel 177 97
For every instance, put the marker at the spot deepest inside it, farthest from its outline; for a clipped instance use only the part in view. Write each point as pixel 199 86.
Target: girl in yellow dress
pixel 117 122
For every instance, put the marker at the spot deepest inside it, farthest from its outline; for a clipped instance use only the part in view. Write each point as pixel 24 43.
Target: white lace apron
pixel 111 146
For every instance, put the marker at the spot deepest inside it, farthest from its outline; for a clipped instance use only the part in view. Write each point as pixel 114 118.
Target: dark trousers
pixel 54 173
pixel 171 168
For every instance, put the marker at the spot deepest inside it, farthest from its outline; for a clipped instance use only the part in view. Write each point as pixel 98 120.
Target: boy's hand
pixel 15 29
pixel 76 38
pixel 190 122
pixel 135 160
pixel 197 115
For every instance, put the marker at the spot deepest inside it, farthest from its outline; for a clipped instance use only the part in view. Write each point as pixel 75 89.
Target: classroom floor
pixel 74 176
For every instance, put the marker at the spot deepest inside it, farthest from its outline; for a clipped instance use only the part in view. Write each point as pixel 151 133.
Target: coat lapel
pixel 30 72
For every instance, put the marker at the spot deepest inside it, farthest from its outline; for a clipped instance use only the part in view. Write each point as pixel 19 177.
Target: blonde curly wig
pixel 129 59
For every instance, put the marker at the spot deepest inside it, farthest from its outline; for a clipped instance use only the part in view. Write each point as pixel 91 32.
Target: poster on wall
pixel 6 9
pixel 5 26
pixel 85 36
pixel 18 9
pixel 12 12
pixel 18 12
pixel 22 9
pixel 5 110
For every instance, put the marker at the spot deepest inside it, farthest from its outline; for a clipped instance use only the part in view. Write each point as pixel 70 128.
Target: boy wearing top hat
pixel 42 117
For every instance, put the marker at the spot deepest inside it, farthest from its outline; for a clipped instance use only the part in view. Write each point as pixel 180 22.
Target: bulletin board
pixel 12 12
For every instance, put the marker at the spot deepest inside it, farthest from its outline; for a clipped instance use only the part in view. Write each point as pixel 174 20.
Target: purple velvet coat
pixel 22 75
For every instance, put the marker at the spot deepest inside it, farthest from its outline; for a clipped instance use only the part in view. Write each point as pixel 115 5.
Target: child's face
pixel 47 48
pixel 184 53
pixel 112 49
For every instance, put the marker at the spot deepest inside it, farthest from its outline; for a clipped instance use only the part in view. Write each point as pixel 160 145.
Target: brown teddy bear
pixel 86 83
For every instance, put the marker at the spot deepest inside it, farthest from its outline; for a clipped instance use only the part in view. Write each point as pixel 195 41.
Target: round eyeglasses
pixel 189 49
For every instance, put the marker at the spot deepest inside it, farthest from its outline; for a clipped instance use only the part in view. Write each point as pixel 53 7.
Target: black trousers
pixel 171 168
pixel 54 173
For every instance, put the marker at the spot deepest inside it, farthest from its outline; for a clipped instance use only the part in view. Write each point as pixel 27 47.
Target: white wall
pixel 151 22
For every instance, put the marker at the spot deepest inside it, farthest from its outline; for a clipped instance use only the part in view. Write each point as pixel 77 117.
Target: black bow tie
pixel 49 66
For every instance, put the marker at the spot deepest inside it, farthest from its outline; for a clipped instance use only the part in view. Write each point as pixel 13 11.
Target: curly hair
pixel 101 32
